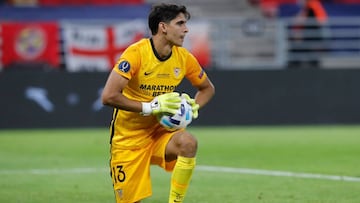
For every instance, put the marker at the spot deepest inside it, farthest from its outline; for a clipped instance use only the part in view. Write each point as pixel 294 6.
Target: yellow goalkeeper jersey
pixel 149 76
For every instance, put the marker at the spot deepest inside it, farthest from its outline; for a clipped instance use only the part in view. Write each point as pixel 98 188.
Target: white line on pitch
pixel 277 173
pixel 53 171
pixel 198 168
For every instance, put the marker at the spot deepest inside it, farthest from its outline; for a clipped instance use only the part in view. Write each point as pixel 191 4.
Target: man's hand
pixel 166 103
pixel 194 105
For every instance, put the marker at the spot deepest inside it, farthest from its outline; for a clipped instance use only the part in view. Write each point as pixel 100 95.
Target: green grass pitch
pixel 70 165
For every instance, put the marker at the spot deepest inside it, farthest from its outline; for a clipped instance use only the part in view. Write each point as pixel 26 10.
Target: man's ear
pixel 162 27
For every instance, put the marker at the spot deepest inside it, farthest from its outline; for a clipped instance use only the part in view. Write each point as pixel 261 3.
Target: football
pixel 178 121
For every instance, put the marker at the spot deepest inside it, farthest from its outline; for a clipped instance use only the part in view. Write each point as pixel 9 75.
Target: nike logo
pixel 148 73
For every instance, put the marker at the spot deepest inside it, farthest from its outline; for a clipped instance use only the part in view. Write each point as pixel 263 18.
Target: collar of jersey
pixel 156 53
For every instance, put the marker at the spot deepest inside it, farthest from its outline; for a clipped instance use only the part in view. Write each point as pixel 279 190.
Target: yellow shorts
pixel 130 169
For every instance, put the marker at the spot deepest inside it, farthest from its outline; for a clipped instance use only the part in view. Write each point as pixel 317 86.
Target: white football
pixel 180 120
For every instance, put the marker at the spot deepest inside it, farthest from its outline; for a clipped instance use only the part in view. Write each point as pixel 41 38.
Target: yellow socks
pixel 180 178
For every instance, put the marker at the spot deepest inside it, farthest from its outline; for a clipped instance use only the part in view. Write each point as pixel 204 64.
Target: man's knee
pixel 188 145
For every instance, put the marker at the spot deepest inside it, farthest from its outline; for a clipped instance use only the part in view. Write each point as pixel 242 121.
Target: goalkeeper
pixel 142 85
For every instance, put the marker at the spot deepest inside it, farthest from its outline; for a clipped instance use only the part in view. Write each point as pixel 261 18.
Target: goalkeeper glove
pixel 168 103
pixel 194 106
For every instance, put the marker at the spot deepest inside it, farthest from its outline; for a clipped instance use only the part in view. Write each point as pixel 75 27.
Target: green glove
pixel 167 103
pixel 194 106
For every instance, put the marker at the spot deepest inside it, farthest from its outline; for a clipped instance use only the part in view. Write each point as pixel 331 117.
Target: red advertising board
pixel 30 43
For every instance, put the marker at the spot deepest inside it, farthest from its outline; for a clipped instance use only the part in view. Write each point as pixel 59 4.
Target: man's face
pixel 176 30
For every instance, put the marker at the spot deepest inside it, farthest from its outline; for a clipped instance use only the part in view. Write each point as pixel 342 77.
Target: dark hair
pixel 165 13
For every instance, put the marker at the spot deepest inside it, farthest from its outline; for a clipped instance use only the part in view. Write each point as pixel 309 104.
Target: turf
pixel 70 165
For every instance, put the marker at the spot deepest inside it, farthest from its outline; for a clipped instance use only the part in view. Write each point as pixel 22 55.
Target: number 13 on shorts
pixel 117 174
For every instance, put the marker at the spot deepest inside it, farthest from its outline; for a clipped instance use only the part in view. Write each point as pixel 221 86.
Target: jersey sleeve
pixel 194 73
pixel 128 63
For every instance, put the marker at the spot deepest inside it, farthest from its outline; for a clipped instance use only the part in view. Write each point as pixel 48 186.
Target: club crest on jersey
pixel 124 66
pixel 177 71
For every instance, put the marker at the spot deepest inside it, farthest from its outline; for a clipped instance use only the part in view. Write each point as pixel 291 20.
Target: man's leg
pixel 183 146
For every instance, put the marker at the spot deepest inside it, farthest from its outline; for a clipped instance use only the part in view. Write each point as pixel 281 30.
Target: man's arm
pixel 206 91
pixel 112 94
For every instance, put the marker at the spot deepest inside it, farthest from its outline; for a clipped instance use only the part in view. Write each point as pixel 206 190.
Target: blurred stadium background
pixel 56 55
